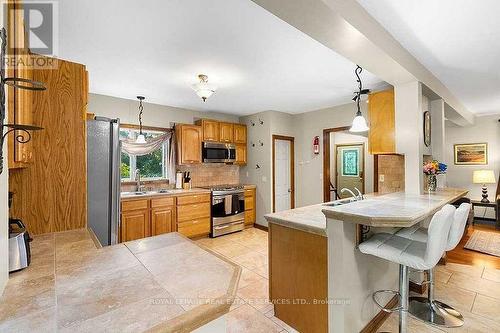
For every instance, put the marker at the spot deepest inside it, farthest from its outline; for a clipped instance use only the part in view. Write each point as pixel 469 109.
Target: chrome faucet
pixel 360 195
pixel 137 177
pixel 351 192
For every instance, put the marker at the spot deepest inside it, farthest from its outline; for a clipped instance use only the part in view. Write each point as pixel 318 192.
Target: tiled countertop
pixel 165 283
pixel 386 210
pixel 174 193
pixel 308 218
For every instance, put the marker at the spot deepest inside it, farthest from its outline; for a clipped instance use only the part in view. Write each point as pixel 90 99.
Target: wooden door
pixel 189 144
pixel 162 220
pixel 135 225
pixel 210 130
pixel 240 133
pixel 381 112
pixel 241 154
pixel 226 132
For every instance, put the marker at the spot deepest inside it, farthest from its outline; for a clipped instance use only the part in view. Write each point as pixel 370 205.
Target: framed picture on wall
pixel 471 153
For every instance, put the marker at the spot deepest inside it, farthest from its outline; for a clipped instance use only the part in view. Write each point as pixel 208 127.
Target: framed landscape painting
pixel 471 153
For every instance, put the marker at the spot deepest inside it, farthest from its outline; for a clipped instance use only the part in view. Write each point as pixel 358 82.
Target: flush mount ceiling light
pixel 140 138
pixel 203 88
pixel 359 122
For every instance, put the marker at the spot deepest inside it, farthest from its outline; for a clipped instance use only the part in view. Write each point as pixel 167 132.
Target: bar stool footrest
pixel 387 291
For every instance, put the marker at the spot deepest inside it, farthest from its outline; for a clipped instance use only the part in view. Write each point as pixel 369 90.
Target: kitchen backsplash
pixel 393 169
pixel 212 174
pixel 149 185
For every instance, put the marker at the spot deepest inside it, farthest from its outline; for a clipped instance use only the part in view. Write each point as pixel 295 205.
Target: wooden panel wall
pixel 51 194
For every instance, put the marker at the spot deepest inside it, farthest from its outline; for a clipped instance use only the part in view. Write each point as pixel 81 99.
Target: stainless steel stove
pixel 228 209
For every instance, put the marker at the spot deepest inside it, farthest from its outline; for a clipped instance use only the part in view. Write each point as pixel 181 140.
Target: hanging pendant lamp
pixel 141 138
pixel 359 122
pixel 204 89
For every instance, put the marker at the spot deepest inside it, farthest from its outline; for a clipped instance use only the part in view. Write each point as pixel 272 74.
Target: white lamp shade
pixel 204 90
pixel 359 125
pixel 140 139
pixel 483 177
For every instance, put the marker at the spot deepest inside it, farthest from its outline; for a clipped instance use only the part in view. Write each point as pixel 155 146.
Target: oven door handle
pixel 220 227
pixel 222 195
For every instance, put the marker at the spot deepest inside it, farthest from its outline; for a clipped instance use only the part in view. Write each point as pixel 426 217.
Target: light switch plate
pixel 381 178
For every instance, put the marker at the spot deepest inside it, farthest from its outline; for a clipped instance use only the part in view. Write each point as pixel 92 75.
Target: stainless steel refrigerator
pixel 103 178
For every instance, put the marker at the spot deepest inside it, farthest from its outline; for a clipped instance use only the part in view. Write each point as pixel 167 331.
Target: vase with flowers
pixel 432 169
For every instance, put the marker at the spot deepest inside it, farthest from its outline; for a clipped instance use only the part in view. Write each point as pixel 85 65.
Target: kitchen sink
pixel 339 202
pixel 134 193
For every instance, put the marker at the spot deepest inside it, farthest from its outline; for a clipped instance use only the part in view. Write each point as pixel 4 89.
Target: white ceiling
pixel 457 40
pixel 156 48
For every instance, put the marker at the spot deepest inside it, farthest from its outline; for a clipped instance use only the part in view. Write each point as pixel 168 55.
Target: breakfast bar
pixel 337 289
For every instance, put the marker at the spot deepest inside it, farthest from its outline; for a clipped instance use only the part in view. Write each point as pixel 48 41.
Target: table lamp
pixel 484 177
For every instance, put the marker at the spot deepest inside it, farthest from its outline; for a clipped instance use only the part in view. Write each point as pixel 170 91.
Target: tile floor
pixel 474 290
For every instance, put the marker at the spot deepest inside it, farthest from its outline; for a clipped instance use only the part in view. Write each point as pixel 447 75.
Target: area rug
pixel 485 242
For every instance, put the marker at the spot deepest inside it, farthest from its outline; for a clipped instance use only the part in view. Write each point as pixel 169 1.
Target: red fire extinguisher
pixel 316 145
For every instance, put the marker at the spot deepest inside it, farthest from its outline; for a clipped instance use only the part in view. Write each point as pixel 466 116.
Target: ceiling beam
pixel 346 27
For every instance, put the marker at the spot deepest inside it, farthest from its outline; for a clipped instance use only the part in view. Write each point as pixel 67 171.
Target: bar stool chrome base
pixel 435 313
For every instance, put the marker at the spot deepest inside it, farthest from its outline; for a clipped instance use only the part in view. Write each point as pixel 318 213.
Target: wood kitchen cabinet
pixel 381 113
pixel 241 154
pixel 210 129
pixel 135 221
pixel 250 215
pixel 240 133
pixel 189 138
pixel 226 132
pixel 193 215
pixel 162 215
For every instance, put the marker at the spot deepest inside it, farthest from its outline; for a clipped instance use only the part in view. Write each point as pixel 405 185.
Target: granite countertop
pixel 165 283
pixel 395 209
pixel 170 193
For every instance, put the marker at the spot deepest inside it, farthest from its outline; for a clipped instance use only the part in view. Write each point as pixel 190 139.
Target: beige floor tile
pixel 491 274
pixel 231 250
pixel 442 275
pixel 256 294
pixel 281 323
pixel 40 266
pixel 475 284
pixel 473 271
pixel 153 243
pixel 414 325
pixel 262 271
pixel 248 277
pixel 252 260
pixel 214 242
pixel 457 297
pixel 474 323
pixel 487 307
pixel 247 319
pixel 238 301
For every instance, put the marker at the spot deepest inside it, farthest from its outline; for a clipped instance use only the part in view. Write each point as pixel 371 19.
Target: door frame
pixel 292 168
pixel 326 159
pixel 362 144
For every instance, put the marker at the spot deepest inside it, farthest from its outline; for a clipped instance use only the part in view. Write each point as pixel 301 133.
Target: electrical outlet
pixel 381 178
pixel 247 174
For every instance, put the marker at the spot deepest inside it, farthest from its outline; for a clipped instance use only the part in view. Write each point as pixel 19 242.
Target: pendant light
pixel 359 122
pixel 140 138
pixel 203 88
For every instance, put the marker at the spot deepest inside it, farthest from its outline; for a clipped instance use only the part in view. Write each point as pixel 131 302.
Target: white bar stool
pixel 427 308
pixel 410 253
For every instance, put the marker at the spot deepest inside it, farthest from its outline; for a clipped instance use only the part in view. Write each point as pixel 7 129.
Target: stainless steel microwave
pixel 214 152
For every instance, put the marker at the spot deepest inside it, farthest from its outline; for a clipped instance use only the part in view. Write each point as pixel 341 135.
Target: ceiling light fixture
pixel 203 88
pixel 140 138
pixel 359 122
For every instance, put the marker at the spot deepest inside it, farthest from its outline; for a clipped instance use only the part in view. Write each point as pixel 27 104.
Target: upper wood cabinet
pixel 240 133
pixel 226 132
pixel 381 113
pixel 210 128
pixel 241 154
pixel 189 138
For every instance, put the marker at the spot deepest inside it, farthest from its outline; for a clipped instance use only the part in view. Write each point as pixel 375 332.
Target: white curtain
pixel 138 149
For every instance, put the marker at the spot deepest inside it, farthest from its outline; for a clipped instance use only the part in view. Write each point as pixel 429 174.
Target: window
pixel 151 166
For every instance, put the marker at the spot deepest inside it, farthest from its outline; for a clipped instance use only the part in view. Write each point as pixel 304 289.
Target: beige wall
pixel 486 129
pixel 154 114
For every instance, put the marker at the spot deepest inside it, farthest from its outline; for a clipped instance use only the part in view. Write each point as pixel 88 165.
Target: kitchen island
pixel 320 270
pixel 164 283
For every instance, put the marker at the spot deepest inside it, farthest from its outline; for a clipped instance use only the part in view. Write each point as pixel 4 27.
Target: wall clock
pixel 427 128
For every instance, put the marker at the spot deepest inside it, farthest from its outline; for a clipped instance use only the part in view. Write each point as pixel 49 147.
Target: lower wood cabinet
pixel 146 217
pixel 250 215
pixel 193 215
pixel 135 225
pixel 162 220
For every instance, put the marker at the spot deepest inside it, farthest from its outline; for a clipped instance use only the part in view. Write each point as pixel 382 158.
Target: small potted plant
pixel 431 169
